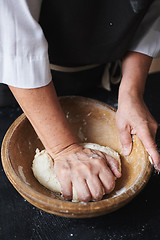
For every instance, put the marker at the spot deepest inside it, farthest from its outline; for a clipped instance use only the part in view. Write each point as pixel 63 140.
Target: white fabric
pixel 24 51
pixel 147 37
pixel 23 48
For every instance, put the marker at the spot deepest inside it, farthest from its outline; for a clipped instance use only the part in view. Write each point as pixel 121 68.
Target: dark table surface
pixel 140 219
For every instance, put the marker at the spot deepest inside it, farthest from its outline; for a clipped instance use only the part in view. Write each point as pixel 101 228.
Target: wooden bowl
pixel 92 121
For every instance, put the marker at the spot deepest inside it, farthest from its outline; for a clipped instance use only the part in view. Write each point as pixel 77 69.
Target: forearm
pixel 73 164
pixel 42 108
pixel 135 68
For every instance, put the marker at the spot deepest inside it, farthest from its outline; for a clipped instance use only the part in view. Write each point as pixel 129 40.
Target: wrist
pixel 130 90
pixel 60 152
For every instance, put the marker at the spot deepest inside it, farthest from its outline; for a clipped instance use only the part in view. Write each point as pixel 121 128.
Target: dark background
pixel 140 219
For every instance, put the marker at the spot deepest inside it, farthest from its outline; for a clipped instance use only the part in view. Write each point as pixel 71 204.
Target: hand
pixel 91 172
pixel 133 117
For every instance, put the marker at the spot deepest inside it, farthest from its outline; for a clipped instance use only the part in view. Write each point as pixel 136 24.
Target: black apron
pixel 81 32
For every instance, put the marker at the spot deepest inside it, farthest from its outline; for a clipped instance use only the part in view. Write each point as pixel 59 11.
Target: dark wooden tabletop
pixel 140 219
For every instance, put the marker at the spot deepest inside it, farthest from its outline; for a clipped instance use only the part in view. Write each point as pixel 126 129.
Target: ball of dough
pixel 43 167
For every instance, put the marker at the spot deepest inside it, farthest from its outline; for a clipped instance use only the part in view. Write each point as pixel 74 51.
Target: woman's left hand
pixel 133 117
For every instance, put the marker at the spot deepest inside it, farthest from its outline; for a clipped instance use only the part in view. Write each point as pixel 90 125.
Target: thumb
pixel 126 141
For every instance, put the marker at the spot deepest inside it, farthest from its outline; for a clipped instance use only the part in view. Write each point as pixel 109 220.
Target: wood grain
pixel 92 121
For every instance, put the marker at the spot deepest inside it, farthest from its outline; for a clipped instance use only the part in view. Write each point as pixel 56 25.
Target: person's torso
pixel 90 32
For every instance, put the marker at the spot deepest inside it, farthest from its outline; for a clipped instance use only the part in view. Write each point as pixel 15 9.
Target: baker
pixel 82 36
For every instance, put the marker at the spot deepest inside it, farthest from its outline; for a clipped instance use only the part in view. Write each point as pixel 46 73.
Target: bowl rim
pixel 67 208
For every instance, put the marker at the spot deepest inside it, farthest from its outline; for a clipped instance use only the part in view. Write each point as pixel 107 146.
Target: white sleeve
pixel 147 37
pixel 23 48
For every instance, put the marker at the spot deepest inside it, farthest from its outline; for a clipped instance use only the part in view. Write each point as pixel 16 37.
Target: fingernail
pixel 127 150
pixel 150 159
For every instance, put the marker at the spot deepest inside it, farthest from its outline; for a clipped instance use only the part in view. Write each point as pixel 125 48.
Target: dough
pixel 43 167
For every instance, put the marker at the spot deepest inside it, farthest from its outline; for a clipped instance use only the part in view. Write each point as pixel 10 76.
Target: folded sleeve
pixel 23 48
pixel 147 37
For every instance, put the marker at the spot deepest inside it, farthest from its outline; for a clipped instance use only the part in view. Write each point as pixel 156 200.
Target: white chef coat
pixel 24 61
pixel 147 37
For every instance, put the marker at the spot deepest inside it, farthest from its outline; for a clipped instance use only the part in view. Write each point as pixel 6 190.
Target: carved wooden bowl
pixel 92 121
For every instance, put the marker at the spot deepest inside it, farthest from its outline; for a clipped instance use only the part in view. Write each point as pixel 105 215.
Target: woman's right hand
pixel 90 172
pixel 87 170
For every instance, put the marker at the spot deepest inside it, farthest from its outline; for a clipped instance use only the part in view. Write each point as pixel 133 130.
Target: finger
pixel 150 145
pixel 66 189
pixel 82 190
pixel 107 179
pixel 65 182
pixel 113 165
pixel 95 187
pixel 126 140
